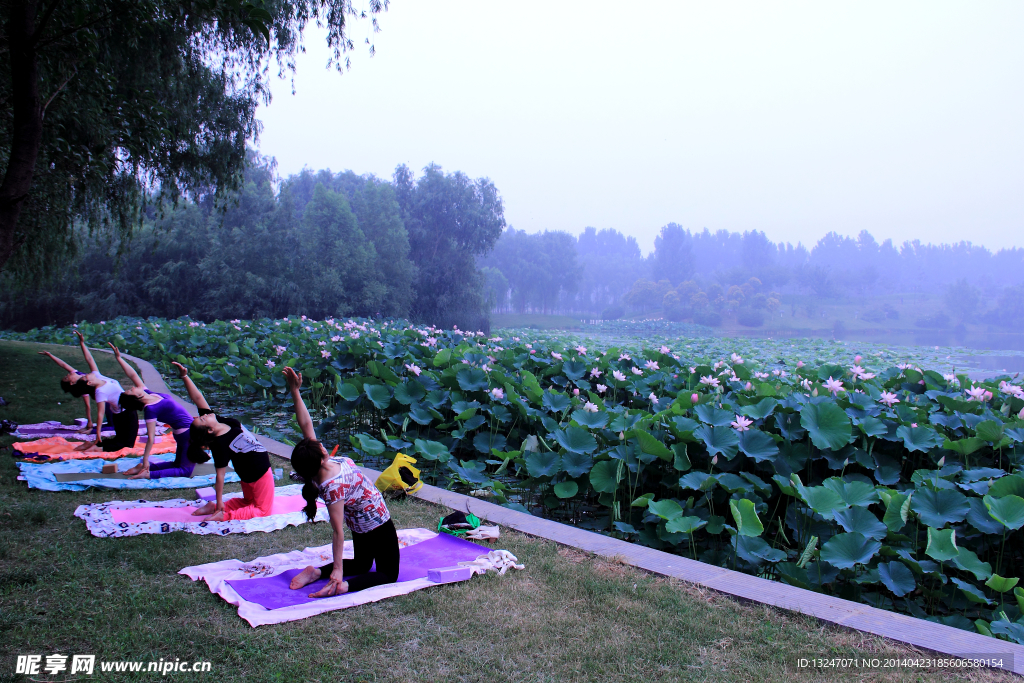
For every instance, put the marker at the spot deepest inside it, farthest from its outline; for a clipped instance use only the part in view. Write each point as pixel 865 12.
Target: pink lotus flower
pixel 692 369
pixel 888 398
pixel 413 368
pixel 806 384
pixel 1011 389
pixel 575 392
pixel 497 394
pixel 694 398
pixel 748 386
pixel 280 349
pixel 354 335
pixel 799 363
pixel 736 358
pixel 619 377
pixel 325 354
pixel 913 425
pixel 590 407
pixel 741 423
pixel 709 381
pixel 322 343
pixel 858 359
pixel 761 375
pixel 636 371
pixel 595 373
pixel 485 367
pixel 556 356
pixel 582 350
pixel 303 317
pixel 665 350
pixel 653 398
pixel 533 351
pixel 1021 414
pixel 625 356
pixel 601 388
pixel 977 394
pixel 834 385
pixel 651 365
pixel 271 364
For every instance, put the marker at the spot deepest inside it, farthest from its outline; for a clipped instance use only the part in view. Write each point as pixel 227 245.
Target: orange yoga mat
pixel 59 448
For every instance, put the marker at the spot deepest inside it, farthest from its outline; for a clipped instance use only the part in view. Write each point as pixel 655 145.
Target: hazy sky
pixel 906 118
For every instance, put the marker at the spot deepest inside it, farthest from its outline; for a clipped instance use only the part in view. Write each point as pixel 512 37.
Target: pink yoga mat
pixel 282 505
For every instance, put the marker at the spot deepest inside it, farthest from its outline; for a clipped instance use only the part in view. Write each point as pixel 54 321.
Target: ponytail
pixel 306 458
pixel 310 492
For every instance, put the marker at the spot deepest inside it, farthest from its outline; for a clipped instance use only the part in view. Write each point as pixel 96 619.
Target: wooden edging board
pixel 945 640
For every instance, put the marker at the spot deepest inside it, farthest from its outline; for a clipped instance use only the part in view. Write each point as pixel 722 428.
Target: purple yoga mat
pixel 273 592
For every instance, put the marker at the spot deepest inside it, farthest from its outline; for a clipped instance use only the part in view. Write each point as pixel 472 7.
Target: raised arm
pixel 88 415
pixel 294 380
pixel 86 353
pixel 193 391
pixel 58 361
pixel 128 370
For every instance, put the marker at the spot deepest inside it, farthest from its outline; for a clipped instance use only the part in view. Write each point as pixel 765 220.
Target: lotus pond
pixel 875 474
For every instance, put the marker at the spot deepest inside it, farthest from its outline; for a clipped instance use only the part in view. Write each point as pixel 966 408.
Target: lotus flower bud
pixel 695 398
pixel 575 392
pixel 748 386
pixel 714 460
pixel 858 359
pixel 942 461
pixel 814 392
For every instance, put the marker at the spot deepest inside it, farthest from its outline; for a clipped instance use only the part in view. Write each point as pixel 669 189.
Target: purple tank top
pixel 168 411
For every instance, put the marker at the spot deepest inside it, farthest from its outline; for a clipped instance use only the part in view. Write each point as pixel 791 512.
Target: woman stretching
pixel 162 407
pixel 351 498
pixel 230 443
pixel 107 393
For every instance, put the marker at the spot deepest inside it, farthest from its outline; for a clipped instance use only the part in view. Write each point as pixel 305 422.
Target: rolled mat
pixel 273 592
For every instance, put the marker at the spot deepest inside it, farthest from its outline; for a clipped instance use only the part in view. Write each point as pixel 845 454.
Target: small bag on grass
pixel 400 476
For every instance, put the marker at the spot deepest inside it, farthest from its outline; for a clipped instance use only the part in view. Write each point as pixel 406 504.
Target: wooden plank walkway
pixel 920 633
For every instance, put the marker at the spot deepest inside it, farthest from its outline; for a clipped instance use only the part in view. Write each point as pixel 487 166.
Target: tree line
pixel 701 275
pixel 318 244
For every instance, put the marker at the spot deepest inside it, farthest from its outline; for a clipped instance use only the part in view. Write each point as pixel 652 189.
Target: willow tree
pixel 108 104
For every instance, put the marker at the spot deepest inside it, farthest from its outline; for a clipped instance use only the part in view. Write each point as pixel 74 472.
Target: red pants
pixel 256 501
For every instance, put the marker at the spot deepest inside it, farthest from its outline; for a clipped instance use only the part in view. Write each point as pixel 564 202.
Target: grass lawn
pixel 568 617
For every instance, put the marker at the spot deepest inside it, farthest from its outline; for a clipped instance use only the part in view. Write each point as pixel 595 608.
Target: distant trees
pixel 541 270
pixel 451 221
pixel 323 245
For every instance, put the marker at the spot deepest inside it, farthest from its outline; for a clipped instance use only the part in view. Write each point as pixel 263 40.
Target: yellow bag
pixel 400 476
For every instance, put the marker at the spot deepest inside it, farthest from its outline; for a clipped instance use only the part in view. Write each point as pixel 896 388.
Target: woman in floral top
pixel 351 499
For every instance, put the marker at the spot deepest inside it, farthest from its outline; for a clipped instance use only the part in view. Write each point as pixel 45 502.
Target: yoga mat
pixel 198 471
pixel 273 592
pixel 282 505
pixel 59 448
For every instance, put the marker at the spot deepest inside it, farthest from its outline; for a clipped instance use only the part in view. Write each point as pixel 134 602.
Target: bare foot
pixel 332 588
pixel 218 516
pixel 84 446
pixel 306 577
pixel 205 510
pixel 133 470
pixel 142 474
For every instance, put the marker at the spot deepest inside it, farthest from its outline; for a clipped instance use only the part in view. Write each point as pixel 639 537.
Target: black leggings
pixel 126 430
pixel 381 545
